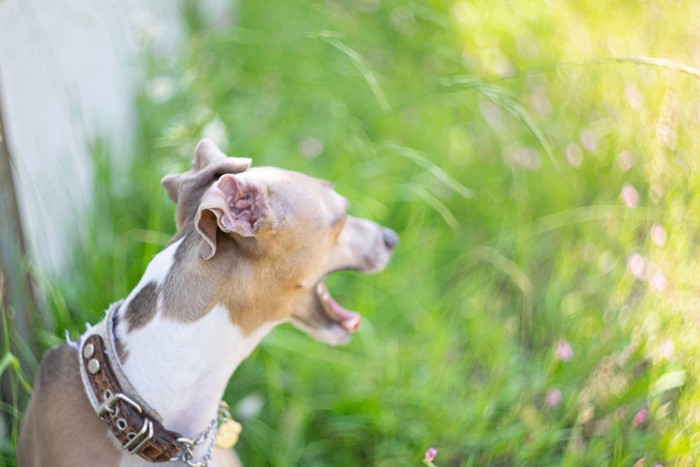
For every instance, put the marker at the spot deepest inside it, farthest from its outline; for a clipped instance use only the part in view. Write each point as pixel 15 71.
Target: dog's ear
pixel 205 153
pixel 232 205
pixel 208 164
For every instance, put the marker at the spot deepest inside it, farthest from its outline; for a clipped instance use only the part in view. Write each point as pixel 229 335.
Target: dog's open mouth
pixel 325 319
pixel 348 320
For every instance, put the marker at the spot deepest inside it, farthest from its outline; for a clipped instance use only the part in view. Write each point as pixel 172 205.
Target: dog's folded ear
pixel 207 152
pixel 232 205
pixel 208 164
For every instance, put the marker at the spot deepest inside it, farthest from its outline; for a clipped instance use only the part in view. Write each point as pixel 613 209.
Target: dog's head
pixel 274 235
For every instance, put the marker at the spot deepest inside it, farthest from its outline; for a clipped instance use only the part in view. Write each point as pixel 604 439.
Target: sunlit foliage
pixel 542 308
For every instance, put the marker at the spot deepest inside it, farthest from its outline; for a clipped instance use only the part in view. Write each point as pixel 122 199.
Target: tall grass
pixel 541 307
pixel 14 382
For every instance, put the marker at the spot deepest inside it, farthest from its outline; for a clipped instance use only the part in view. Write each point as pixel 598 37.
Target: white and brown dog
pixel 252 249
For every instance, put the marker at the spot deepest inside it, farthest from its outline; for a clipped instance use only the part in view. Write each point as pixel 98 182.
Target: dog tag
pixel 228 433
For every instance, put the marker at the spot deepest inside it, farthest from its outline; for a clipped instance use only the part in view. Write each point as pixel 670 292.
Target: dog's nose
pixel 391 238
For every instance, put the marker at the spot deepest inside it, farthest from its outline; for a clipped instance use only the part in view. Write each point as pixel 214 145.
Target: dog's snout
pixel 391 238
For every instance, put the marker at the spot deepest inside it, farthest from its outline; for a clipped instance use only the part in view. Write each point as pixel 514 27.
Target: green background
pixel 541 173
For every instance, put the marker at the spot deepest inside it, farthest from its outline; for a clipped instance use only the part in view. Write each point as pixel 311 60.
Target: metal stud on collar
pixel 88 351
pixel 93 366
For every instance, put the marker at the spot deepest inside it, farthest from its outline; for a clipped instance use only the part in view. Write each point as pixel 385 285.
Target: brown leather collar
pixel 138 432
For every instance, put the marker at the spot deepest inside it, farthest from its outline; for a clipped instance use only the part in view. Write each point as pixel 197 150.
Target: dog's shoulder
pixel 59 366
pixel 60 423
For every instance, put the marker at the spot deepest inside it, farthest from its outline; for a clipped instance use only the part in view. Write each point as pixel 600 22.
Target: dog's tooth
pixel 353 324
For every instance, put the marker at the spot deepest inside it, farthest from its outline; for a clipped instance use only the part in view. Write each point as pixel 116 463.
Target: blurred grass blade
pixel 644 61
pixel 499 97
pixel 562 219
pixel 436 204
pixel 361 66
pixel 518 277
pixel 661 63
pixel 668 381
pixel 507 267
pixel 434 169
pixel 9 361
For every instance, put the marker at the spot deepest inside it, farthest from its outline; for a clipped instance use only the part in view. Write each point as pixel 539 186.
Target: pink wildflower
pixel 641 417
pixel 658 281
pixel 563 351
pixel 630 196
pixel 589 140
pixel 658 235
pixel 574 155
pixel 553 397
pixel 667 349
pixel 626 160
pixel 637 265
pixel 429 456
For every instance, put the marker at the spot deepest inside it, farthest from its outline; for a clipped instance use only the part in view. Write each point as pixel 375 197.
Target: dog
pixel 252 248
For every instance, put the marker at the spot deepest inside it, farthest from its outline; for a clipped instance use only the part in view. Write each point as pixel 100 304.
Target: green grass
pixel 495 137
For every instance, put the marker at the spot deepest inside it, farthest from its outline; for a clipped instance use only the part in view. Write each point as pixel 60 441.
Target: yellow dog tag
pixel 228 433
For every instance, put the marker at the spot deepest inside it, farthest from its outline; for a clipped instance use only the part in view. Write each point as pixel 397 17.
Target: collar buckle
pixel 142 437
pixel 107 407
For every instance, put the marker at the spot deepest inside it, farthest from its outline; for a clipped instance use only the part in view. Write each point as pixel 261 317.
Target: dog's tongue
pixel 348 319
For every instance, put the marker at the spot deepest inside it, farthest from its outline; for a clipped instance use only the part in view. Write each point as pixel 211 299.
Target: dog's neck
pixel 181 368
